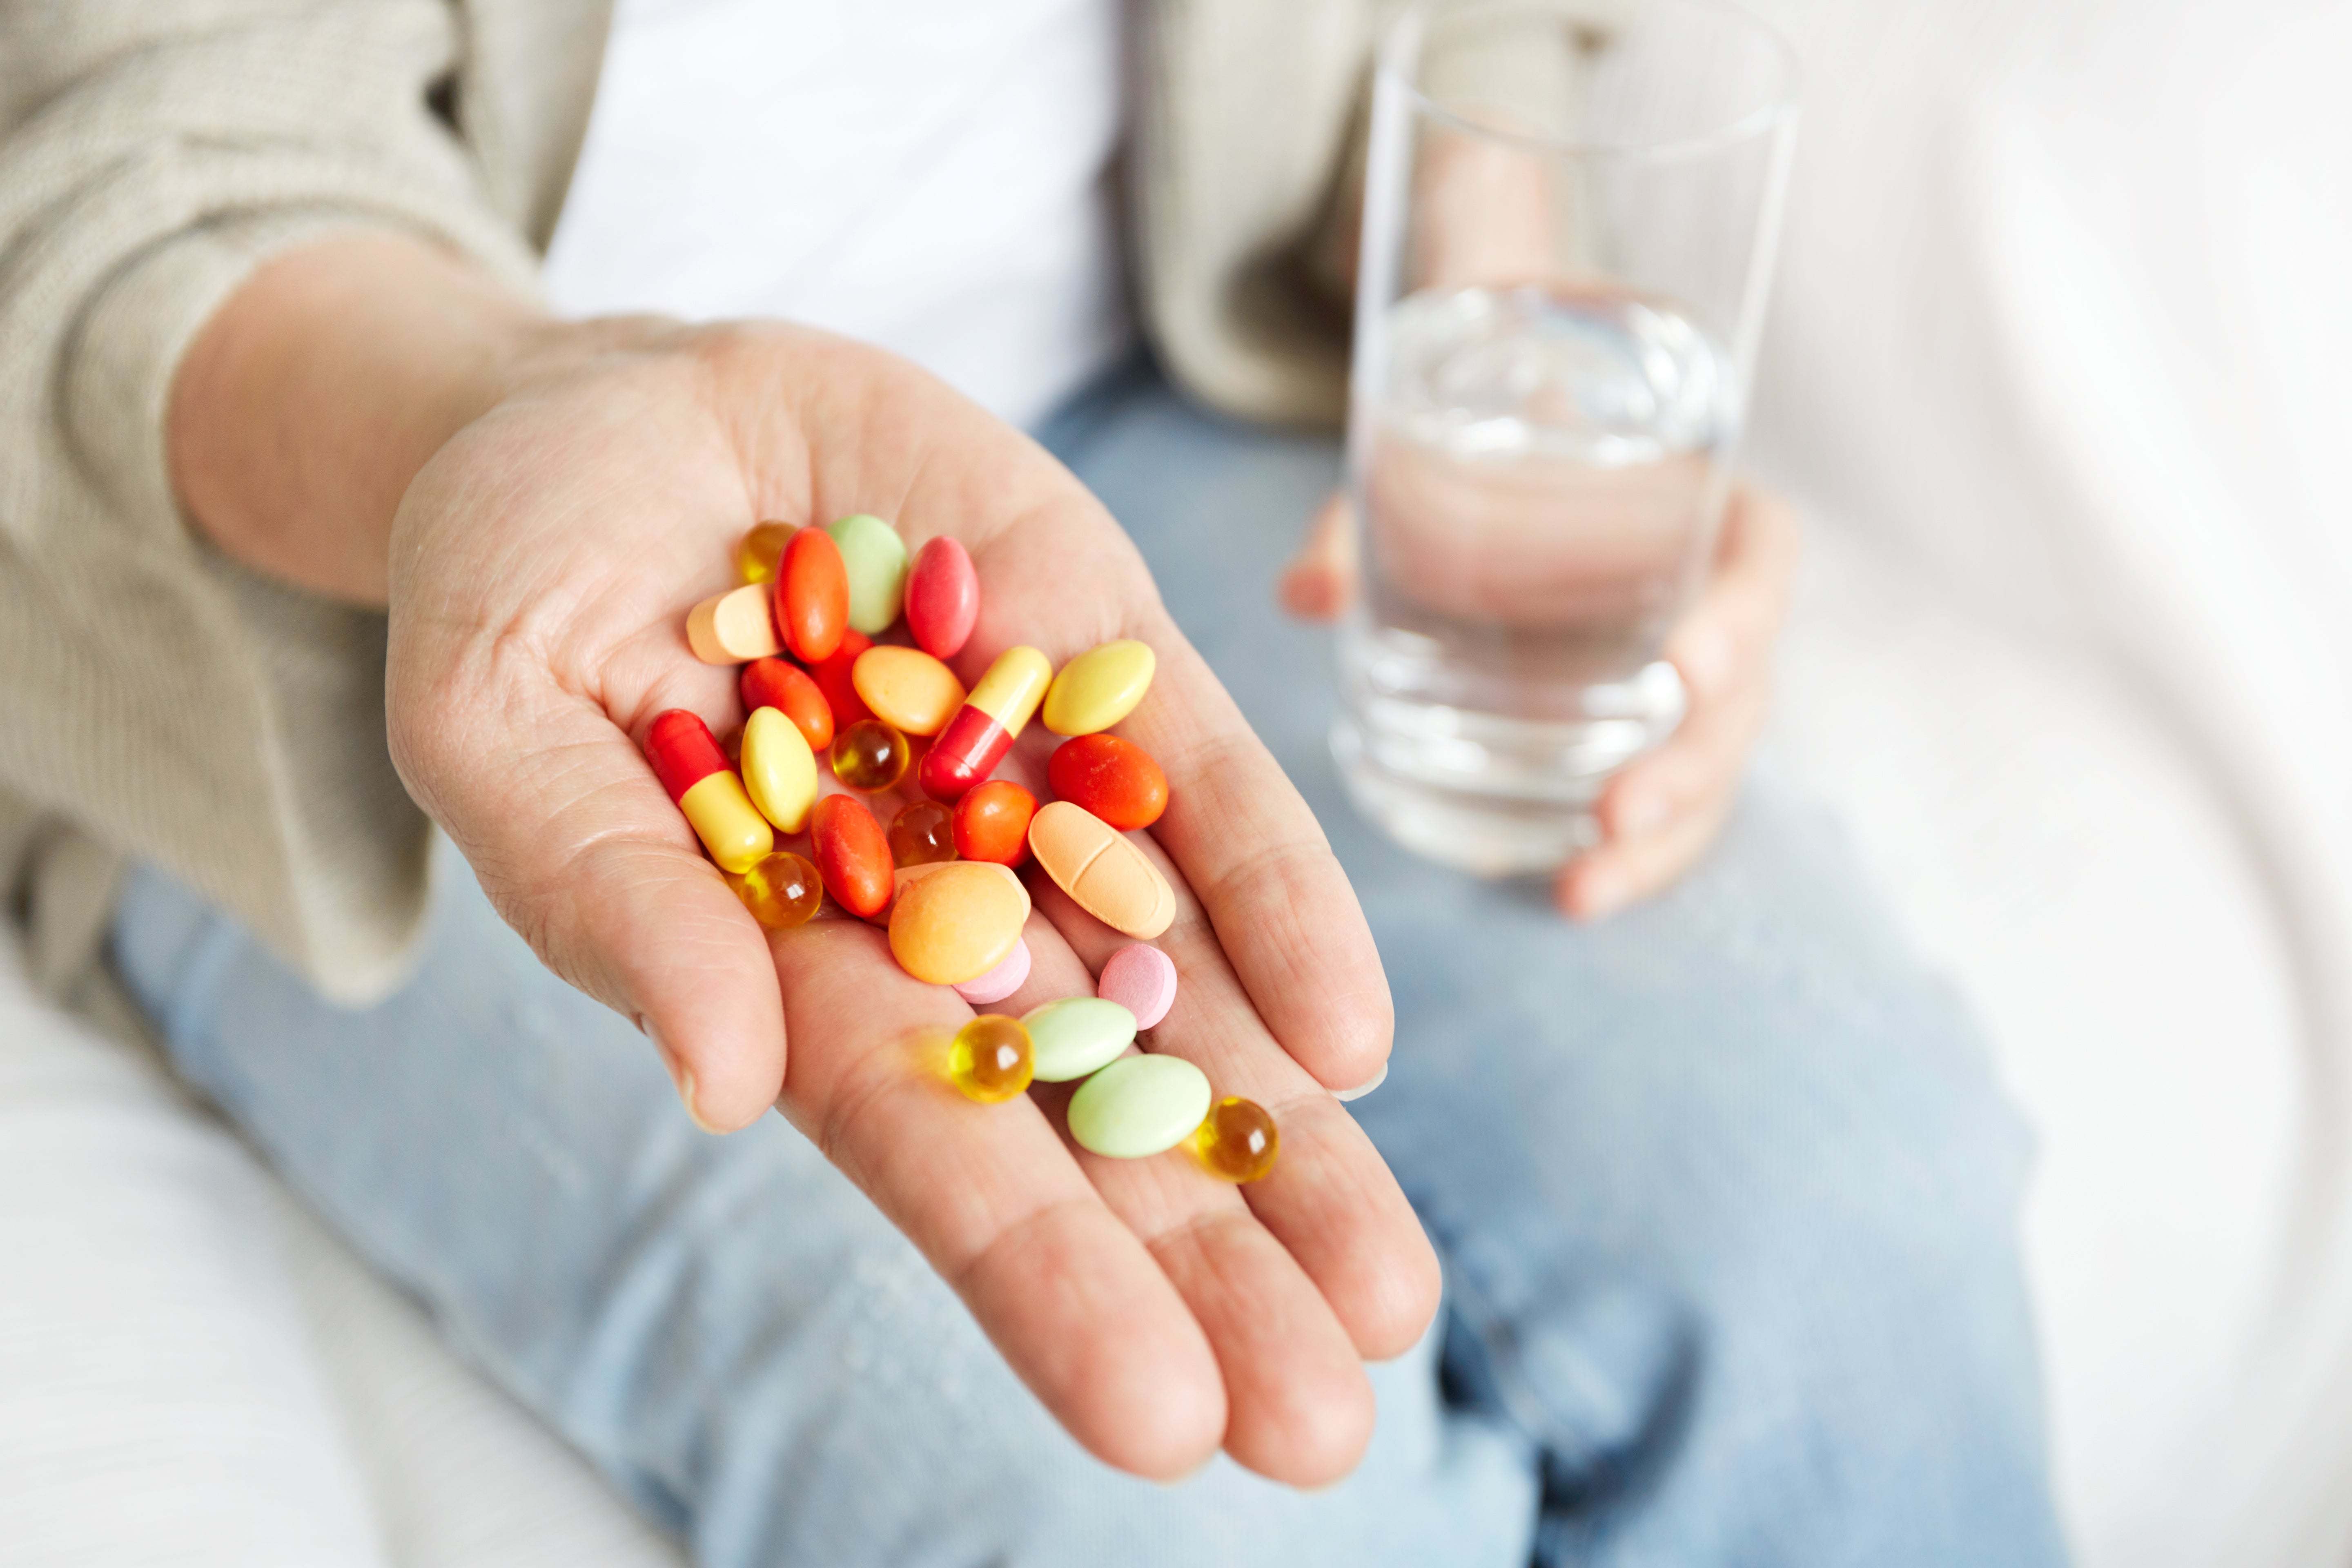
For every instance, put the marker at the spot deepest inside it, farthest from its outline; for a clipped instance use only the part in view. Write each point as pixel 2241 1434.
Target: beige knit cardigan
pixel 157 702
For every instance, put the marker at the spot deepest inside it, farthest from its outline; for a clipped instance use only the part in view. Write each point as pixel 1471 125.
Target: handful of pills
pixel 832 687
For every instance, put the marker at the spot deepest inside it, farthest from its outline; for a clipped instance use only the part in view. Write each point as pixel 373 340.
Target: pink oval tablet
pixel 1001 981
pixel 1141 979
pixel 942 597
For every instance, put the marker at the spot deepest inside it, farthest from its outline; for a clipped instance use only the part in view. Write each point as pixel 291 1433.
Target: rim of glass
pixel 1406 31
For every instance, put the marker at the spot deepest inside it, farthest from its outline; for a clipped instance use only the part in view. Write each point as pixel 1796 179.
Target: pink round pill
pixel 1141 979
pixel 942 597
pixel 1000 982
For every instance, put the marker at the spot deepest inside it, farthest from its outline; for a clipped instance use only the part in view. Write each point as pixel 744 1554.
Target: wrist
pixel 307 403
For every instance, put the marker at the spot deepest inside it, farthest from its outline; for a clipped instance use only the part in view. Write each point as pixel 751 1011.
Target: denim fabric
pixel 1725 1193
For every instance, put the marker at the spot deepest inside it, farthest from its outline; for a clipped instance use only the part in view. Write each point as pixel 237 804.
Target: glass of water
pixel 1570 212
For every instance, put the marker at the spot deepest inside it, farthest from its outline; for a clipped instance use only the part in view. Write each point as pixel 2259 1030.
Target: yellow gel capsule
pixel 906 689
pixel 990 1060
pixel 1237 1140
pixel 870 755
pixel 781 891
pixel 758 551
pixel 779 769
pixel 724 818
pixel 1099 688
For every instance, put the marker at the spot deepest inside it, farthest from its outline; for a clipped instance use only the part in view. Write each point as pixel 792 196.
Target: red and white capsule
pixel 988 724
pixel 687 759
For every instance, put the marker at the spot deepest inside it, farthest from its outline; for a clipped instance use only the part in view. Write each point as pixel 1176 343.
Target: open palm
pixel 541 566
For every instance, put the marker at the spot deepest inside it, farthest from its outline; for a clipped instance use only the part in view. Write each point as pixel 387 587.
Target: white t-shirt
pixel 930 175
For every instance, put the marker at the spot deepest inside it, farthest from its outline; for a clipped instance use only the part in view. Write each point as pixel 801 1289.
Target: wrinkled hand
pixel 543 563
pixel 1660 813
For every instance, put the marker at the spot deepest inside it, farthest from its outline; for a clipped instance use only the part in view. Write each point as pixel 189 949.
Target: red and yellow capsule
pixel 988 724
pixel 687 760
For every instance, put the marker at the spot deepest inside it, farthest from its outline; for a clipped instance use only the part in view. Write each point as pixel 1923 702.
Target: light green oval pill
pixel 876 559
pixel 1074 1037
pixel 1138 1106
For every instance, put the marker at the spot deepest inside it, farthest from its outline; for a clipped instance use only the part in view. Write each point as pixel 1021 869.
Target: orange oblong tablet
pixel 1095 864
pixel 906 689
pixel 957 923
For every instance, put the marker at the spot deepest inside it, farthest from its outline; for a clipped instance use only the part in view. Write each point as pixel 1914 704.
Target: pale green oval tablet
pixel 1138 1106
pixel 1074 1037
pixel 876 559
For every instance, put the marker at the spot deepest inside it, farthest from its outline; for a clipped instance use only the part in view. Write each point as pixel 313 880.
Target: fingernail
pixel 1361 1089
pixel 679 1074
pixel 1598 892
pixel 1638 811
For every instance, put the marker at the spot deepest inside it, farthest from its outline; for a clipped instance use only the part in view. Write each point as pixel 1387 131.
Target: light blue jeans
pixel 1726 1196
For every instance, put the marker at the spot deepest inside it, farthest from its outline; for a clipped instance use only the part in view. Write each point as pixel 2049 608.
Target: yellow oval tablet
pixel 779 769
pixel 1099 688
pixel 1095 864
pixel 957 923
pixel 907 688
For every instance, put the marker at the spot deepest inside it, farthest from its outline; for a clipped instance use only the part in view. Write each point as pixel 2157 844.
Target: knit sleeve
pixel 176 707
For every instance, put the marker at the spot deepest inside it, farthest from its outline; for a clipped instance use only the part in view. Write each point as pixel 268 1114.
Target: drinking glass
pixel 1570 209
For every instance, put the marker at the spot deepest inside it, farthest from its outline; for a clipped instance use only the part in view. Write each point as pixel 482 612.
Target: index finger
pixel 1258 861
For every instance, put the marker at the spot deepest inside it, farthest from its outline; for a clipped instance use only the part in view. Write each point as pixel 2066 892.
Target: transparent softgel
pixel 1539 473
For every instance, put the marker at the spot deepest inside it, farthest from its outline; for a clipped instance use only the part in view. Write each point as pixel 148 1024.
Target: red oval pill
pixel 853 855
pixel 991 823
pixel 1115 778
pixel 832 680
pixel 772 683
pixel 811 595
pixel 942 597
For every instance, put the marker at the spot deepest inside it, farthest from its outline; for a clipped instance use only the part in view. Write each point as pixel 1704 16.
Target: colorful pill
pixel 756 552
pixel 1115 778
pixel 922 833
pixel 1138 1106
pixel 1099 688
pixel 691 767
pixel 874 558
pixel 779 769
pixel 811 595
pixel 782 891
pixel 990 1058
pixel 1000 982
pixel 956 924
pixel 1237 1140
pixel 904 875
pixel 988 724
pixel 1077 1036
pixel 852 856
pixel 772 683
pixel 992 822
pixel 837 684
pixel 1108 876
pixel 871 756
pixel 907 688
pixel 733 627
pixel 1141 979
pixel 942 597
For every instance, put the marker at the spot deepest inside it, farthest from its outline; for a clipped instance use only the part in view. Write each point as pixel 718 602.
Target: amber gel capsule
pixel 922 833
pixel 991 1058
pixel 870 755
pixel 781 891
pixel 1237 1140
